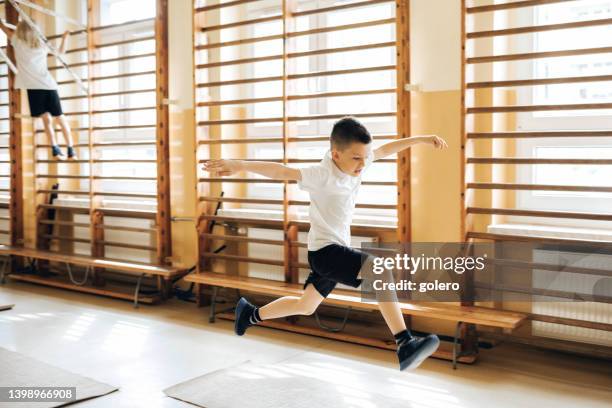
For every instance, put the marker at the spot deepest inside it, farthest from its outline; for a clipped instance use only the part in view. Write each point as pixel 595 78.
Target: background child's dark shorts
pixel 43 101
pixel 334 264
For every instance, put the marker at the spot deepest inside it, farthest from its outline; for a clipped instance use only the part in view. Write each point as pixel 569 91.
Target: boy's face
pixel 352 159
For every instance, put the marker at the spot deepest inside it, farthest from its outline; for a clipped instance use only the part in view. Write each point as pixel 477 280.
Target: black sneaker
pixel 415 351
pixel 71 153
pixel 244 311
pixel 57 152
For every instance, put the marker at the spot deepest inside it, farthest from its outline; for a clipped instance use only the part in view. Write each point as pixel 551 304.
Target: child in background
pixel 333 185
pixel 31 60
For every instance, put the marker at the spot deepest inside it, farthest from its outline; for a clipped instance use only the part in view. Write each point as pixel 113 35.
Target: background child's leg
pixel 292 305
pixel 61 120
pixel 48 124
pixel 393 316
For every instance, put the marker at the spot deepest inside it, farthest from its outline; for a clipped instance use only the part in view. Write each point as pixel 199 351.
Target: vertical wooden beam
pixel 15 147
pixel 96 218
pixel 290 233
pixel 402 10
pixel 164 235
pixel 468 332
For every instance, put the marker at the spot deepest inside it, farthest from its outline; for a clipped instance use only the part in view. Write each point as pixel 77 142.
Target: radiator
pixel 574 283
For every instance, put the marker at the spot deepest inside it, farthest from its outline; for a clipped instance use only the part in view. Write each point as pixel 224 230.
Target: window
pixel 567 93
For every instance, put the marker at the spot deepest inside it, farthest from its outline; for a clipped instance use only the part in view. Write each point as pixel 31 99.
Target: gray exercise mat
pixel 18 370
pixel 6 307
pixel 282 385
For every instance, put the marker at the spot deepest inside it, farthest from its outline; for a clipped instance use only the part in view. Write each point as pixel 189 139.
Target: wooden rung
pixel 339 94
pixel 72 192
pixel 537 55
pixel 321 10
pixel 516 263
pixel 104 94
pixel 541 81
pixel 238 81
pixel 327 51
pixel 336 116
pixel 127 23
pixel 133 195
pixel 61 176
pixel 334 28
pixel 539 134
pixel 78 210
pixel 310 139
pixel 104 61
pixel 222 5
pixel 123 161
pixel 238 258
pixel 64 223
pixel 243 239
pixel 537 187
pixel 535 213
pixel 102 78
pixel 127 246
pixel 509 6
pixel 101 112
pixel 66 238
pixel 531 291
pixel 238 121
pixel 127 213
pixel 239 61
pixel 125 143
pixel 242 41
pixel 240 101
pixel 239 141
pixel 522 238
pixel 538 108
pixel 121 228
pixel 239 180
pixel 538 28
pixel 123 42
pixel 298 76
pixel 125 178
pixel 517 160
pixel 260 20
pixel 571 322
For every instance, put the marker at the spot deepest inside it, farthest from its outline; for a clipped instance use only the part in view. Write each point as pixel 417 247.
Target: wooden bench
pixel 461 315
pixel 167 273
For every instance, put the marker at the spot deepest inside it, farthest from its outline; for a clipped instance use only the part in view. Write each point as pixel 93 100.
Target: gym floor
pixel 146 350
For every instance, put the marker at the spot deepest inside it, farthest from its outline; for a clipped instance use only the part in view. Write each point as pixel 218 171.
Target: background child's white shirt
pixel 332 202
pixel 32 66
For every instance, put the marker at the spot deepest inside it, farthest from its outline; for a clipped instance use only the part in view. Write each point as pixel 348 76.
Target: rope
pixel 83 281
pixel 51 48
pixel 10 64
pixel 51 13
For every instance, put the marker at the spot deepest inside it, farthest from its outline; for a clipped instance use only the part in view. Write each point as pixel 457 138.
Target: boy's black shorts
pixel 334 264
pixel 43 101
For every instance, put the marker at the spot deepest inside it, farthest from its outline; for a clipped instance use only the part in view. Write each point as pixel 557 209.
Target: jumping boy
pixel 333 184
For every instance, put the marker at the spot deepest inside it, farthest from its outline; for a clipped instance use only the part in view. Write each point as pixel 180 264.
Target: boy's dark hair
pixel 349 130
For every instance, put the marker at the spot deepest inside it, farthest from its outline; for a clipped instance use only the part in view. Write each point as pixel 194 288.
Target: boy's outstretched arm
pixel 7 30
pixel 398 145
pixel 275 171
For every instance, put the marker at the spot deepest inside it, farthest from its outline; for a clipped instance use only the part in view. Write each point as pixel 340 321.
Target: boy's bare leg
pixel 292 305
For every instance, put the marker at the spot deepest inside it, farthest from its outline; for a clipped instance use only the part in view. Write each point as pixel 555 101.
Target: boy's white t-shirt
pixel 332 202
pixel 32 66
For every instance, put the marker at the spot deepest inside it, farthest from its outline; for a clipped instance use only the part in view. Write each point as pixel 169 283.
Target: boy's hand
pixel 437 142
pixel 222 167
pixel 66 34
